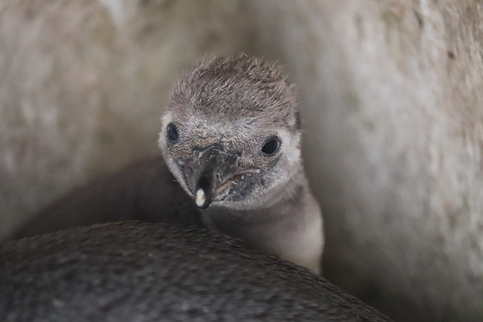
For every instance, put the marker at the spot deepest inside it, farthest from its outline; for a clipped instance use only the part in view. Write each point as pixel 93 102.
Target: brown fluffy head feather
pixel 237 88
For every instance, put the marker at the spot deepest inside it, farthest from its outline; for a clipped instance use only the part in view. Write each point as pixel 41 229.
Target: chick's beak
pixel 213 168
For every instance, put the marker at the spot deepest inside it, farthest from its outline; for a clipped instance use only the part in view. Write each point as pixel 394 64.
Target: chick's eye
pixel 271 146
pixel 172 132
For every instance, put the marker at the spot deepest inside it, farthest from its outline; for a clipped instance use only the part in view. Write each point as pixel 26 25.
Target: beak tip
pixel 200 198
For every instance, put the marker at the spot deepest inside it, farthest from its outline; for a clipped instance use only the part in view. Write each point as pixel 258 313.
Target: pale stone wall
pixel 391 93
pixel 84 84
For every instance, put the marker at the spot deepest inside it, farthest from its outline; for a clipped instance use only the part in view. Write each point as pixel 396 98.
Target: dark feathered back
pixel 153 272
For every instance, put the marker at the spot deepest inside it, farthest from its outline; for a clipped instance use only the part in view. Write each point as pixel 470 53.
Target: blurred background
pixel 391 93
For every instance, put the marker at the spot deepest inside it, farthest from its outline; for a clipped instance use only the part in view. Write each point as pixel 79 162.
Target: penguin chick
pixel 231 136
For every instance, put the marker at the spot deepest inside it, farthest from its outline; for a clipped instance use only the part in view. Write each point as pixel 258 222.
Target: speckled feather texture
pixel 133 271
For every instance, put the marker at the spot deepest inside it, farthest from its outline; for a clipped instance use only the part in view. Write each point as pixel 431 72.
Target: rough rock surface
pixel 393 107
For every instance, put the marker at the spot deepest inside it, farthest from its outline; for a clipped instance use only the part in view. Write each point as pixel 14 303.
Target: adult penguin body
pixel 139 272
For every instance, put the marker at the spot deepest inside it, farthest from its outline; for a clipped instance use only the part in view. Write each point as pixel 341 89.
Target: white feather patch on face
pixel 165 120
pixel 290 146
pixel 170 162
